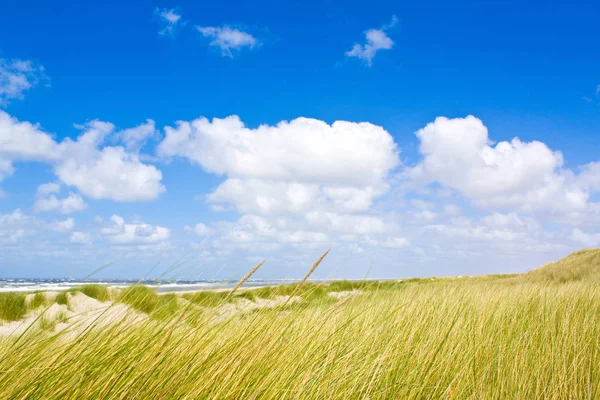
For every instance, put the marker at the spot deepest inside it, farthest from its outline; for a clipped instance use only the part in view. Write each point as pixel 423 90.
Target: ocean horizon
pixel 161 285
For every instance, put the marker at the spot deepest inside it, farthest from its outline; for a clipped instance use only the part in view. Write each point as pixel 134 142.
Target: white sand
pixel 82 312
pixel 345 293
pixel 228 310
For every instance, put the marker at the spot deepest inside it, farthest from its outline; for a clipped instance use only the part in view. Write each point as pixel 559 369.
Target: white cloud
pixel 14 226
pixel 106 172
pixel 227 38
pixel 169 21
pixel 521 175
pixel 598 90
pixel 452 209
pixel 80 238
pixel 120 232
pixel 265 197
pixel 585 239
pixel 298 183
pixel 21 141
pixel 96 170
pixel 305 149
pixel 492 228
pixel 111 173
pixel 498 220
pixel 346 223
pixel 199 229
pixel 589 176
pixel 135 138
pixel 48 188
pixel 396 242
pixel 18 76
pixel 257 233
pixel 62 226
pixel 376 39
pixel 292 167
pixel 70 204
pixel 6 169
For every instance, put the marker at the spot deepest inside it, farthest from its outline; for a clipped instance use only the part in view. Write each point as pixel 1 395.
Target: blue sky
pixel 405 192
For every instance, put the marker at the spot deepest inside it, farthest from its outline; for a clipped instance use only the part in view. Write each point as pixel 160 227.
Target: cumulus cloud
pixel 529 176
pixel 395 242
pixel 228 39
pixel 258 233
pixel 307 149
pixel 6 170
pixel 87 163
pixel 376 39
pixel 112 174
pixel 346 223
pixel 48 188
pixel 169 21
pixel 23 141
pixel 493 228
pixel 199 229
pixel 134 138
pixel 297 183
pixel 80 238
pixel 589 176
pixel 62 226
pixel 109 172
pixel 18 76
pixel 18 227
pixel 585 239
pixel 136 232
pixel 70 204
pixel 14 227
pixel 291 167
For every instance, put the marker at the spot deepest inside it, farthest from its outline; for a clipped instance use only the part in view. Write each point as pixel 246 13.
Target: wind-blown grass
pixel 98 292
pixel 12 306
pixel 146 300
pixel 496 337
pixel 38 300
pixel 582 265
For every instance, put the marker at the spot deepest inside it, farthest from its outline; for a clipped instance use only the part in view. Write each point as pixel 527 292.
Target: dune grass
pixel 12 306
pixel 62 298
pixel 38 300
pixel 146 300
pixel 98 292
pixel 582 265
pixel 502 337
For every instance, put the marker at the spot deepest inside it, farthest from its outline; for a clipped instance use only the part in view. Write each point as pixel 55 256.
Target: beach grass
pixel 12 306
pixel 95 291
pixel 497 337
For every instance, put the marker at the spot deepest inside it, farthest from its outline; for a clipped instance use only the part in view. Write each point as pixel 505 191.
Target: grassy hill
pixel 582 265
pixel 531 336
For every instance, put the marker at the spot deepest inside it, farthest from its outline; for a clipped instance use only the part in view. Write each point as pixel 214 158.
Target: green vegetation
pixel 504 337
pixel 38 300
pixel 583 265
pixel 12 306
pixel 98 292
pixel 207 298
pixel 62 298
pixel 146 300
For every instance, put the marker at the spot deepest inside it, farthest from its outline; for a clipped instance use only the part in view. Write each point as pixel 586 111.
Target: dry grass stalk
pixel 245 278
pixel 308 274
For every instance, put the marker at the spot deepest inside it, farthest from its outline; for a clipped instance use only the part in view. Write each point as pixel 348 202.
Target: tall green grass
pixel 98 292
pixel 489 338
pixel 146 300
pixel 12 306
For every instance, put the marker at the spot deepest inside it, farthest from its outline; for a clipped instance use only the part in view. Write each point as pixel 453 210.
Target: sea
pixel 58 284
